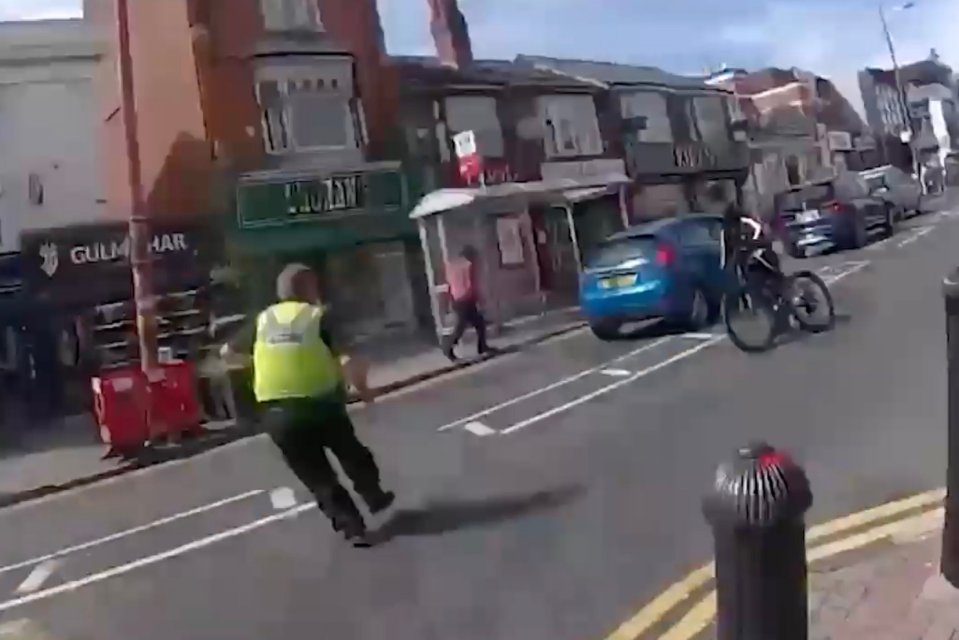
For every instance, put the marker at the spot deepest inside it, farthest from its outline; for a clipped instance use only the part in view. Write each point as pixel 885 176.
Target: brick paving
pixel 893 592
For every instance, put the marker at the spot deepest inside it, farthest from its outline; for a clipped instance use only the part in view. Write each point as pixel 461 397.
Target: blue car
pixel 669 269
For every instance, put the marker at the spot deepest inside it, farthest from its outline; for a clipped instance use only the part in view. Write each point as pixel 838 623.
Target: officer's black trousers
pixel 304 429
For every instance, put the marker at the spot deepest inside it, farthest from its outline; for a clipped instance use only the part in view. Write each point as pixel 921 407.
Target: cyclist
pixel 746 245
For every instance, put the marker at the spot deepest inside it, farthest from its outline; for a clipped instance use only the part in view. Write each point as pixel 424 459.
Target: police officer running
pixel 299 383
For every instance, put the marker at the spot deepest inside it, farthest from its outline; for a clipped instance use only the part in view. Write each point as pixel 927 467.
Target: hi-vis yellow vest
pixel 290 360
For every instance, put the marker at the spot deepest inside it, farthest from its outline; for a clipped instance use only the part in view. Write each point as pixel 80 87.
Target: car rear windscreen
pixel 614 253
pixel 805 198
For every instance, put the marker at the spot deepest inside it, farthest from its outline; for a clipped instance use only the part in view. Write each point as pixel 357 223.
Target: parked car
pixel 669 269
pixel 952 169
pixel 839 213
pixel 893 185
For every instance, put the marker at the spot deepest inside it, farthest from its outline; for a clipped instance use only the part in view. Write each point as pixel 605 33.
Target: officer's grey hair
pixel 287 287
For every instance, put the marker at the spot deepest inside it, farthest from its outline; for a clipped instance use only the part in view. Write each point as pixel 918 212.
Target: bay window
pixel 651 107
pixel 477 114
pixel 572 128
pixel 305 115
pixel 711 119
pixel 291 15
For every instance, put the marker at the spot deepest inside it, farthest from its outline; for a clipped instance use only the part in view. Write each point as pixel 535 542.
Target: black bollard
pixel 949 563
pixel 756 510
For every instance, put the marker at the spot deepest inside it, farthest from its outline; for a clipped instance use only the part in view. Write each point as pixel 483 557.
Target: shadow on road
pixel 439 517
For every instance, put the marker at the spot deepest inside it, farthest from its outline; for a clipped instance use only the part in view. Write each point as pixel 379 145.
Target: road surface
pixel 543 496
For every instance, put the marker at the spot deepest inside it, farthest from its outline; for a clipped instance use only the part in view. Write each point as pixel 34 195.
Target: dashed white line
pixel 612 387
pixel 130 532
pixel 40 574
pixel 550 387
pixel 700 335
pixel 878 245
pixel 127 567
pixel 479 429
pixel 914 236
pixel 615 373
pixel 283 498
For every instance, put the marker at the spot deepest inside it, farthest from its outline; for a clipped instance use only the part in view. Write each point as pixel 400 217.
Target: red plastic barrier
pixel 120 407
pixel 174 406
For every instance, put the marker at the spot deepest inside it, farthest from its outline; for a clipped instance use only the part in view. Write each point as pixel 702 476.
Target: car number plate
pixel 618 282
pixel 807 216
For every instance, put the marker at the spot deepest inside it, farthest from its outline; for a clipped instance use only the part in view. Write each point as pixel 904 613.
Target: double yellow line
pixel 900 514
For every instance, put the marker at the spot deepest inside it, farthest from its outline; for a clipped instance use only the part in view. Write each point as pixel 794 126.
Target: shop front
pixel 672 179
pixel 82 319
pixel 528 238
pixel 352 227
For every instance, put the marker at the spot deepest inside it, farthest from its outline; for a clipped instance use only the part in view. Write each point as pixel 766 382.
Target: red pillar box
pixel 120 402
pixel 174 407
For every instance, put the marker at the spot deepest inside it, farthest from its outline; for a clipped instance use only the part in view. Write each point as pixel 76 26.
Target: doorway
pixel 555 254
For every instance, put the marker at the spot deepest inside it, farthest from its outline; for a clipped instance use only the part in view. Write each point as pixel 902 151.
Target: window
pixel 711 119
pixel 617 253
pixel 572 128
pixel 291 15
pixel 303 115
pixel 652 107
pixel 702 232
pixel 476 114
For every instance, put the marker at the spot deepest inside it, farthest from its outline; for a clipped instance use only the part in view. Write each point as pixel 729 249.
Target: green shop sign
pixel 280 203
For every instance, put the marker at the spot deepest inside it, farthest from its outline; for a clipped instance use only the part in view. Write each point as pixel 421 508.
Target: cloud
pixel 40 9
pixel 837 40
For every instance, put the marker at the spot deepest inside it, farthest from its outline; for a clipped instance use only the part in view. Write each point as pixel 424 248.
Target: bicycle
pixel 774 302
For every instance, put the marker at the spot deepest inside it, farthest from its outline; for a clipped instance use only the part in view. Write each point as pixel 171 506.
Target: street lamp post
pixel 900 89
pixel 140 258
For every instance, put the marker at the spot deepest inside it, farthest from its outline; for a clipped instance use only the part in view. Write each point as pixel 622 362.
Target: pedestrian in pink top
pixel 461 277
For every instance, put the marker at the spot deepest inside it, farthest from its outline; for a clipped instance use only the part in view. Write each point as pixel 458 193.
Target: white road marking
pixel 127 567
pixel 479 429
pixel 612 387
pixel 878 245
pixel 699 335
pixel 283 498
pixel 554 385
pixel 40 574
pixel 914 236
pixel 129 532
pixel 851 268
pixel 615 373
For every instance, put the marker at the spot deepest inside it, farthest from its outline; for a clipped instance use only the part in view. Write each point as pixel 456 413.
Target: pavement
pixel 544 494
pixel 891 592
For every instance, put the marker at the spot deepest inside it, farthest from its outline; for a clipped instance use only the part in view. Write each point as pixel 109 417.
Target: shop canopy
pixel 544 192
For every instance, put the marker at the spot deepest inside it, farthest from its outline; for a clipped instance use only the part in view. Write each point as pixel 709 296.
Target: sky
pixel 833 38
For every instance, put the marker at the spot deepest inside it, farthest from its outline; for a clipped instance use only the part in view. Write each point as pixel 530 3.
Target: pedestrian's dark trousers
pixel 304 429
pixel 468 315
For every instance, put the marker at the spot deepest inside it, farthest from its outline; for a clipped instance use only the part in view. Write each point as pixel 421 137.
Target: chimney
pixel 450 34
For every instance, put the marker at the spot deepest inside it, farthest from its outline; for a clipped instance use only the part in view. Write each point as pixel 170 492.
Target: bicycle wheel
pixel 810 302
pixel 750 318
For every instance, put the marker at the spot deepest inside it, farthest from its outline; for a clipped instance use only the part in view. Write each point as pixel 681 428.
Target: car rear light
pixel 835 206
pixel 665 255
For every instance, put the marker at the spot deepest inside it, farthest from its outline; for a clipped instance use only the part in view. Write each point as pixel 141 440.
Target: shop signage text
pixel 283 202
pixel 97 252
pixel 337 193
pixel 693 156
pixel 582 169
pixel 492 171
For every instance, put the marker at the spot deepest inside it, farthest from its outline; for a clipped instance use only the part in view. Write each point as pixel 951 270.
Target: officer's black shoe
pixel 358 536
pixel 382 502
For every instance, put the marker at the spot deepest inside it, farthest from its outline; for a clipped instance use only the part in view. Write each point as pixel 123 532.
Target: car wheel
pixel 889 228
pixel 699 311
pixel 860 233
pixel 605 329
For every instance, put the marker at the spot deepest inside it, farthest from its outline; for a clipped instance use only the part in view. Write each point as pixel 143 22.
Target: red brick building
pixel 275 114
